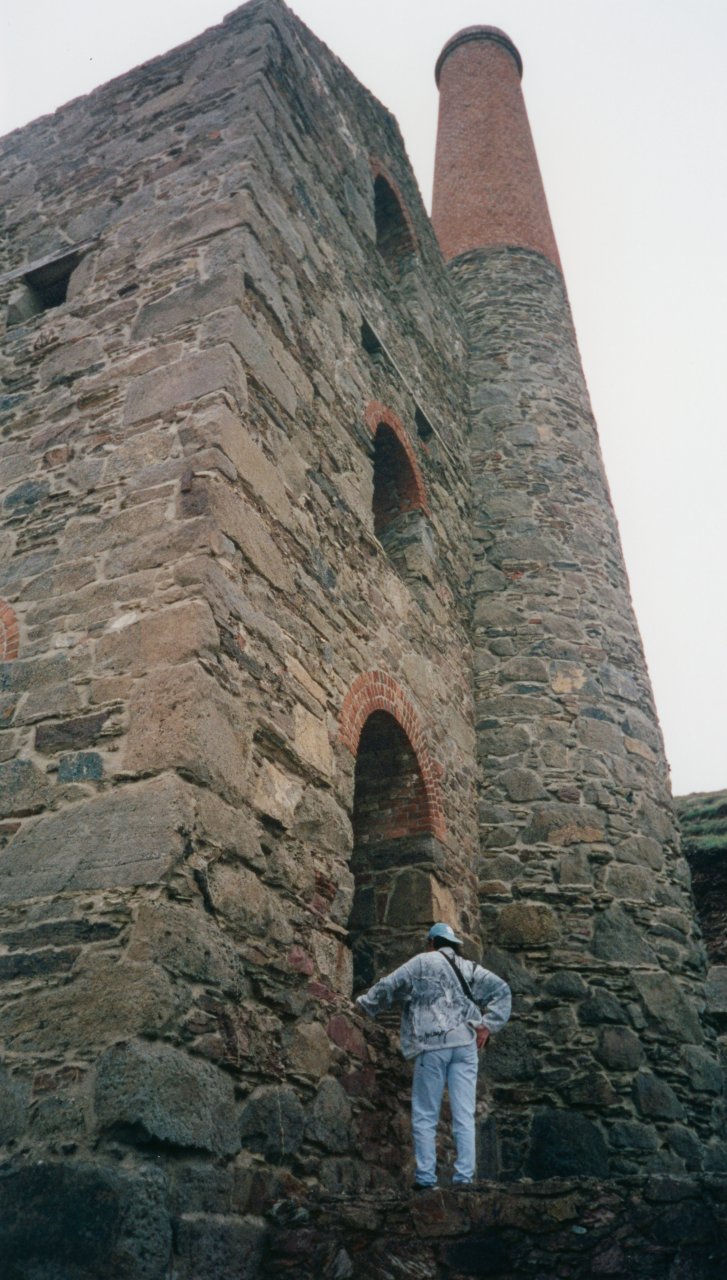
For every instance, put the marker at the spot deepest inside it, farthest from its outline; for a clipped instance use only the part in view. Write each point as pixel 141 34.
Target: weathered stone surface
pixel 210 1246
pixel 329 1118
pixel 168 1095
pixel 75 734
pixel 159 639
pixel 704 1070
pixel 175 385
pixel 715 989
pixel 277 794
pixel 182 719
pixel 308 1049
pixel 565 1144
pixel 272 1121
pixel 84 1220
pixel 14 1095
pixel 185 942
pixel 526 924
pixel 619 1048
pixel 667 1007
pixel 128 836
pixel 655 1098
pixel 563 824
pixel 521 785
pixel 248 907
pixel 601 1006
pixel 510 1055
pixel 107 999
pixel 616 937
pixel 633 1134
pixel 23 788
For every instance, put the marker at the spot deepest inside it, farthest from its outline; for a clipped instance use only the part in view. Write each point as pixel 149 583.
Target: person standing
pixel 451 1007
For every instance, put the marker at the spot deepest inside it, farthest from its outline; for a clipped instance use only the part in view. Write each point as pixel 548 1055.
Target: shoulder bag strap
pixel 460 977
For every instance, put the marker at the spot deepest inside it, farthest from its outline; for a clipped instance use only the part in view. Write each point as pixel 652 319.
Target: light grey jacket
pixel 437 1013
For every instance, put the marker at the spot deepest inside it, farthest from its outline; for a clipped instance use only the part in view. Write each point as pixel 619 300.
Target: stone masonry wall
pixel 192 596
pixel 608 1064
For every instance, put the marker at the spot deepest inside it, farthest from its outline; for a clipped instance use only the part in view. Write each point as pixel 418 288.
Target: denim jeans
pixel 457 1068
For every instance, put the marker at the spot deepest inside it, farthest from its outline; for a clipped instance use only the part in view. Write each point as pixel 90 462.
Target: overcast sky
pixel 628 105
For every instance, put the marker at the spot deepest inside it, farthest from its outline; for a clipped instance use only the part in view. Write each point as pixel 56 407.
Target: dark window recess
pixel 394 239
pixel 391 825
pixel 423 425
pixel 395 486
pixel 49 284
pixel 41 287
pixel 369 340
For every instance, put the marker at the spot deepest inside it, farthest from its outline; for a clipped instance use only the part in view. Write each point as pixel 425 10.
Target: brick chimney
pixel 488 191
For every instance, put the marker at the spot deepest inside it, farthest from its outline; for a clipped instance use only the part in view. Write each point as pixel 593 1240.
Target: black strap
pixel 461 978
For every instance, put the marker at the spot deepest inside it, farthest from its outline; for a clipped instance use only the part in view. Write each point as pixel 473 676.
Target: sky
pixel 628 105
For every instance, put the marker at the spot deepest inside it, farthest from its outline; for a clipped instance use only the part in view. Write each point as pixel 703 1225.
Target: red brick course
pixel 488 191
pixel 9 634
pixel 377 691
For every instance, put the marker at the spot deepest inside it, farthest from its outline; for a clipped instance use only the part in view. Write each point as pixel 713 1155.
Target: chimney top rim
pixel 493 34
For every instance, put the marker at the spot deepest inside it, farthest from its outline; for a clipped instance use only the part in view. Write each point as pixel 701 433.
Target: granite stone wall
pixel 241 755
pixel 201 627
pixel 609 1064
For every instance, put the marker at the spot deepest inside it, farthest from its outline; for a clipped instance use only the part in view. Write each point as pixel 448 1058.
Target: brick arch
pixel 377 691
pixel 376 415
pixel 9 634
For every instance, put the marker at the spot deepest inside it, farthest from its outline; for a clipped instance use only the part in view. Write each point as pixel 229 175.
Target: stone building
pixel 315 628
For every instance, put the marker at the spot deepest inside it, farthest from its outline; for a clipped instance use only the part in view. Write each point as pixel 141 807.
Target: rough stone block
pixel 566 1144
pixel 84 1221
pixel 168 1095
pixel 656 1099
pixel 311 741
pixel 510 1055
pixel 184 381
pixel 85 766
pixel 705 1072
pixel 329 1118
pixel 667 1007
pixel 418 898
pixel 210 1246
pixel 277 794
pixel 526 924
pixel 186 305
pixel 75 734
pixel 273 1122
pixel 308 1049
pixel 127 836
pixel 563 824
pixel 619 1049
pixel 616 937
pixel 636 883
pixel 248 907
pixel 158 639
pixel 185 941
pixel 258 351
pixel 105 1000
pixel 23 788
pixel 242 524
pixel 181 719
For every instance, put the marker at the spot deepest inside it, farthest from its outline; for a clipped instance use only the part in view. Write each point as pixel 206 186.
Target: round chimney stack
pixel 488 191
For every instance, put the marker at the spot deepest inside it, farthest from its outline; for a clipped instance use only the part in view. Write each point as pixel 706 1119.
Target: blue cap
pixel 444 931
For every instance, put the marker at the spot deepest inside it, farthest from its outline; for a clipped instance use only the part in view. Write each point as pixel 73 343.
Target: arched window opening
pixel 395 485
pixel 394 849
pixel 394 239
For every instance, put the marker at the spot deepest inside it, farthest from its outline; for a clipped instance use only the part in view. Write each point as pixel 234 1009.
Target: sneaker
pixel 424 1186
